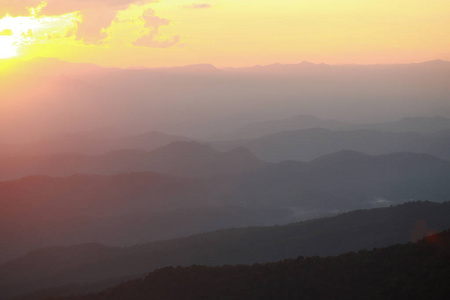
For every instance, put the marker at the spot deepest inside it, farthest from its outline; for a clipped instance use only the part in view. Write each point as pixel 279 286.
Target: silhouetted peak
pixel 306 63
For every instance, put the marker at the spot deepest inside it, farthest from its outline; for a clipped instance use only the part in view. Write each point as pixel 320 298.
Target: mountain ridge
pixel 311 143
pixel 302 63
pixel 366 274
pixel 179 158
pixel 352 231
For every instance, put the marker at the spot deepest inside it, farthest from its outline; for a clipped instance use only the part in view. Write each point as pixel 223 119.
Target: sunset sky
pixel 126 33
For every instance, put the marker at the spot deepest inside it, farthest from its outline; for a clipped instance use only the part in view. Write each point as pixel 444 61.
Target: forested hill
pixel 49 268
pixel 408 271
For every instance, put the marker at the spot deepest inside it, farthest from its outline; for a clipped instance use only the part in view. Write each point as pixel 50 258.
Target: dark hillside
pixel 409 271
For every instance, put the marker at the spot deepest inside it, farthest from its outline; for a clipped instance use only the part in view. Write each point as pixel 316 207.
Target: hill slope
pixel 348 180
pixel 138 207
pixel 364 229
pixel 409 271
pixel 120 210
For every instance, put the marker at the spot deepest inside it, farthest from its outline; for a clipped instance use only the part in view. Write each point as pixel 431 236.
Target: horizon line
pixel 304 62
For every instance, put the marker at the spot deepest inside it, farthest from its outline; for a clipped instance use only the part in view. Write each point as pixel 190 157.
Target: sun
pixel 22 35
pixel 7 48
pixel 14 32
pixel 17 33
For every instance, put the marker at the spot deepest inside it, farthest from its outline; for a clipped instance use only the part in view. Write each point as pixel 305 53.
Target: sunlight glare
pixel 17 34
pixel 7 48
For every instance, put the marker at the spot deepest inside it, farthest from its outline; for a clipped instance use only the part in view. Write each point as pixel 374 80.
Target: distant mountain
pixel 298 122
pixel 411 124
pixel 92 143
pixel 306 66
pixel 425 125
pixel 192 159
pixel 197 69
pixel 305 145
pixel 346 180
pixel 39 211
pixel 408 271
pixel 119 210
pixel 363 229
pixel 189 159
pixel 201 101
pixel 281 68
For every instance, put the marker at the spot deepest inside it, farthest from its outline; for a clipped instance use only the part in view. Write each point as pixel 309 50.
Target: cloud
pixel 58 7
pixel 198 6
pixel 95 17
pixel 152 25
pixel 17 8
pixel 6 32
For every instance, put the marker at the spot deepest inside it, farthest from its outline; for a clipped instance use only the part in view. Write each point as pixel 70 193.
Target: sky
pixel 226 33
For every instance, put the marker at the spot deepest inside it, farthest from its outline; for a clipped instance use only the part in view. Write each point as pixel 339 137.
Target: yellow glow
pixel 15 31
pixel 19 34
pixel 236 32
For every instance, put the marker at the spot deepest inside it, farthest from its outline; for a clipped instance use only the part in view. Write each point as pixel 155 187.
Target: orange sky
pixel 225 32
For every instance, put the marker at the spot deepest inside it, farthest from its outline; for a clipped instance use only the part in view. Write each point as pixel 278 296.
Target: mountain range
pixel 347 180
pixel 308 144
pixel 299 122
pixel 93 142
pixel 136 207
pixel 353 231
pixel 203 102
pixel 95 193
pixel 412 271
pixel 120 210
pixel 183 158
